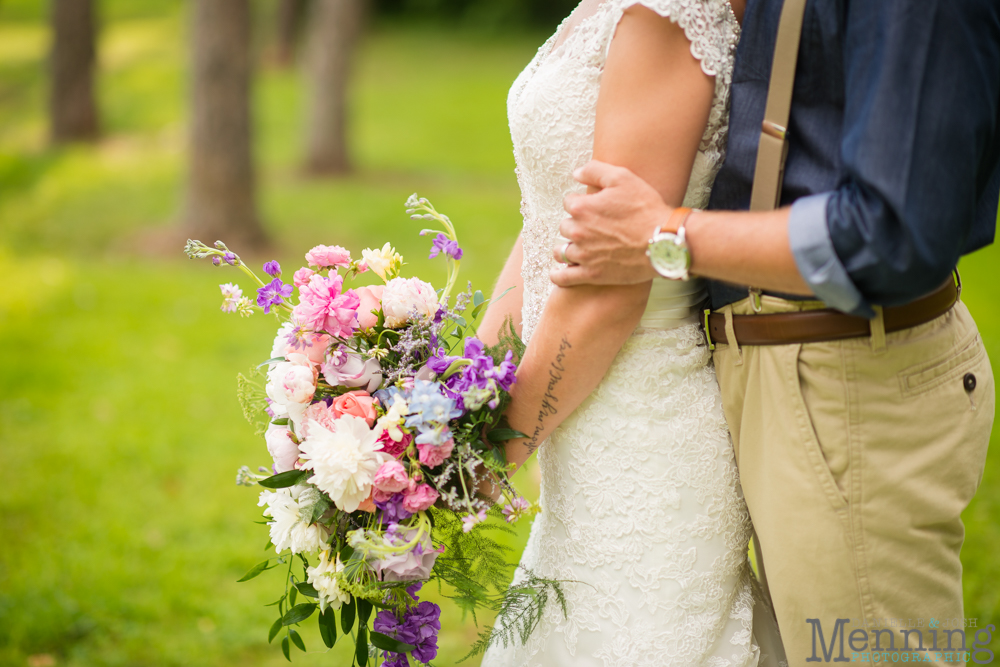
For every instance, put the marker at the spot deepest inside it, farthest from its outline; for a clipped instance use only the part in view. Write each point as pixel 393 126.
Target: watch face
pixel 670 259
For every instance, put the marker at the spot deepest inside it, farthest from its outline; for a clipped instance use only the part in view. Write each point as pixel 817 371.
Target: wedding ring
pixel 562 253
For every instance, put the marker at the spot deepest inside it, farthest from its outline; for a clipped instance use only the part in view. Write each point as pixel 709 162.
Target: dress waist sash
pixel 673 303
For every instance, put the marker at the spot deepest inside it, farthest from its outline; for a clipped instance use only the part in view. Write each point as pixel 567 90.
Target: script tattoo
pixel 550 400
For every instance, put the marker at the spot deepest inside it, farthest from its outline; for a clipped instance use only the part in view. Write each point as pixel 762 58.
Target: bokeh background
pixel 122 533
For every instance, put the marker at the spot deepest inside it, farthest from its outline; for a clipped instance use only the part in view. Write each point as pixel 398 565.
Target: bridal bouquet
pixel 382 414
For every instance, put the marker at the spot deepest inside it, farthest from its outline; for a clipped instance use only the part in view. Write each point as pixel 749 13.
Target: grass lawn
pixel 121 531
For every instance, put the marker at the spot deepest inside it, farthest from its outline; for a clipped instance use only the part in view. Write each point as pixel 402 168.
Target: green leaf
pixel 478 299
pixel 504 293
pixel 299 613
pixel 268 545
pixel 347 617
pixel 283 480
pixel 504 434
pixel 346 553
pixel 275 629
pixel 297 640
pixel 277 602
pixel 478 309
pixel 255 571
pixel 291 597
pixel 271 361
pixel 387 643
pixel 361 648
pixel 328 627
pixel 286 649
pixel 460 320
pixel 307 589
pixel 364 611
pixel 280 422
pixel 319 509
pixel 499 457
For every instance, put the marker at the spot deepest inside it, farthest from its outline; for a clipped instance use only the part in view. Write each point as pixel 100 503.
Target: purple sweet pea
pixel 392 509
pixel 229 258
pixel 419 627
pixel 217 260
pixel 443 244
pixel 272 269
pixel 273 294
pixel 476 383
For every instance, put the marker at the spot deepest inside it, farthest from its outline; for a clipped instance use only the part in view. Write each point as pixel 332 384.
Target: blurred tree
pixel 220 189
pixel 490 14
pixel 333 34
pixel 72 108
pixel 289 19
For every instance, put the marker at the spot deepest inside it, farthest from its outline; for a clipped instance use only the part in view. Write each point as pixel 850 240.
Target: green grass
pixel 121 531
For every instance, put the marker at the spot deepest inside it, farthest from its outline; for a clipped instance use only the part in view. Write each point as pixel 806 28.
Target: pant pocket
pixel 824 416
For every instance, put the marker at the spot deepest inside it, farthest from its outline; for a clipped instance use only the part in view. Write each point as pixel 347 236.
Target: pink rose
pixel 391 477
pixel 303 276
pixel 371 299
pixel 417 498
pixel 322 307
pixel 348 369
pixel 326 256
pixel 281 447
pixel 434 455
pixel 356 403
pixel 393 448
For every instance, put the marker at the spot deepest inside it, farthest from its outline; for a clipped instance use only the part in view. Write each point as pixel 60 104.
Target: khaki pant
pixel 857 459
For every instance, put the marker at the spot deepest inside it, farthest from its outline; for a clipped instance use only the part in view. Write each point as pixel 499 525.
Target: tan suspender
pixel 773 148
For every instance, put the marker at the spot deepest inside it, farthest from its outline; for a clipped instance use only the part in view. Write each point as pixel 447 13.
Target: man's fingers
pixel 600 174
pixel 569 229
pixel 567 253
pixel 568 276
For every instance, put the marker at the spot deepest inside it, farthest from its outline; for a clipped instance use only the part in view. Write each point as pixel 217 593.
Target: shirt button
pixel 970 382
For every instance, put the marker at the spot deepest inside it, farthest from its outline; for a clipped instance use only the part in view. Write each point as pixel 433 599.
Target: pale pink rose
pixel 434 455
pixel 418 497
pixel 322 307
pixel 413 565
pixel 362 266
pixel 291 382
pixel 303 276
pixel 281 447
pixel 371 299
pixel 356 403
pixel 391 477
pixel 348 369
pixel 316 347
pixel 326 256
pixel 380 496
pixel 322 414
pixel 405 298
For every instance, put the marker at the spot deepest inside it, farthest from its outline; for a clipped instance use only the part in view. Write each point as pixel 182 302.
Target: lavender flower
pixel 217 260
pixel 443 244
pixel 230 259
pixel 272 269
pixel 478 382
pixel 273 294
pixel 392 508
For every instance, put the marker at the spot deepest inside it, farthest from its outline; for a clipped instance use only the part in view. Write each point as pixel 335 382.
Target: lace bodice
pixel 552 109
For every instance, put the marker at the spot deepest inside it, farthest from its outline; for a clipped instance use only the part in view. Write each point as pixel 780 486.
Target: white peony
pixel 281 447
pixel 325 578
pixel 404 298
pixel 280 346
pixel 344 461
pixel 290 386
pixel 290 510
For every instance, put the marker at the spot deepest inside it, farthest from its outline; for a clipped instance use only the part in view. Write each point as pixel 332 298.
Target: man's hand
pixel 610 229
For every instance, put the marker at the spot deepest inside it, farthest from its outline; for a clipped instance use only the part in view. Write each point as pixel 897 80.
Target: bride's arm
pixel 652 111
pixel 510 305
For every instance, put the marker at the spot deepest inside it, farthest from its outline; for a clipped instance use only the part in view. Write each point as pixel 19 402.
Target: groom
pixel 857 389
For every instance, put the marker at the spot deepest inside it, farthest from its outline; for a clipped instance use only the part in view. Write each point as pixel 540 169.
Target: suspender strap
pixel 773 148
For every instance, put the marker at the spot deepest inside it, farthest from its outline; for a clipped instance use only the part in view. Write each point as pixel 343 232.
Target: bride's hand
pixel 609 229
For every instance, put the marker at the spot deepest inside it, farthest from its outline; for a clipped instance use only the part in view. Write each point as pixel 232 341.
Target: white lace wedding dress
pixel 641 500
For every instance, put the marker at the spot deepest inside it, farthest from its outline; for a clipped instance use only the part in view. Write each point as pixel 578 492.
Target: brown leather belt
pixel 827 324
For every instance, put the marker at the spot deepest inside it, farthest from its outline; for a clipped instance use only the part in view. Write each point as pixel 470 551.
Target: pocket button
pixel 970 382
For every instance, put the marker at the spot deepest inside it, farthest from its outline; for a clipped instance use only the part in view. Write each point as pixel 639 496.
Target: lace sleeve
pixel 710 25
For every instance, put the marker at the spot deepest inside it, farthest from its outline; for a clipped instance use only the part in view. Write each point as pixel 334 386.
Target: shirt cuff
pixel 817 259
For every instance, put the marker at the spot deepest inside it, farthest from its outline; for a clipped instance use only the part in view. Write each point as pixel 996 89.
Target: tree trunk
pixel 290 15
pixel 72 108
pixel 334 31
pixel 220 198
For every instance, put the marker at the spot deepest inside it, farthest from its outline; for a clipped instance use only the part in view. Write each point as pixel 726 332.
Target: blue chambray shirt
pixel 894 143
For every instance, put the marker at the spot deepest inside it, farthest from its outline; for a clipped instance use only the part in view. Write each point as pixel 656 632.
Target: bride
pixel 642 507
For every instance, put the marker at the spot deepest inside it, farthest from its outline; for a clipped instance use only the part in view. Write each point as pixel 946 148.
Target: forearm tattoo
pixel 550 400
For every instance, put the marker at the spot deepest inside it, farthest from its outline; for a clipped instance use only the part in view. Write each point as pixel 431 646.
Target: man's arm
pixel 917 149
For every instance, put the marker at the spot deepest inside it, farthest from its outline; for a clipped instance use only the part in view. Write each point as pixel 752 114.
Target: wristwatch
pixel 668 251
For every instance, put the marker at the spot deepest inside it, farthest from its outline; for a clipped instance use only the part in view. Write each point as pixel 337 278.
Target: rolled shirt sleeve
pixel 919 153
